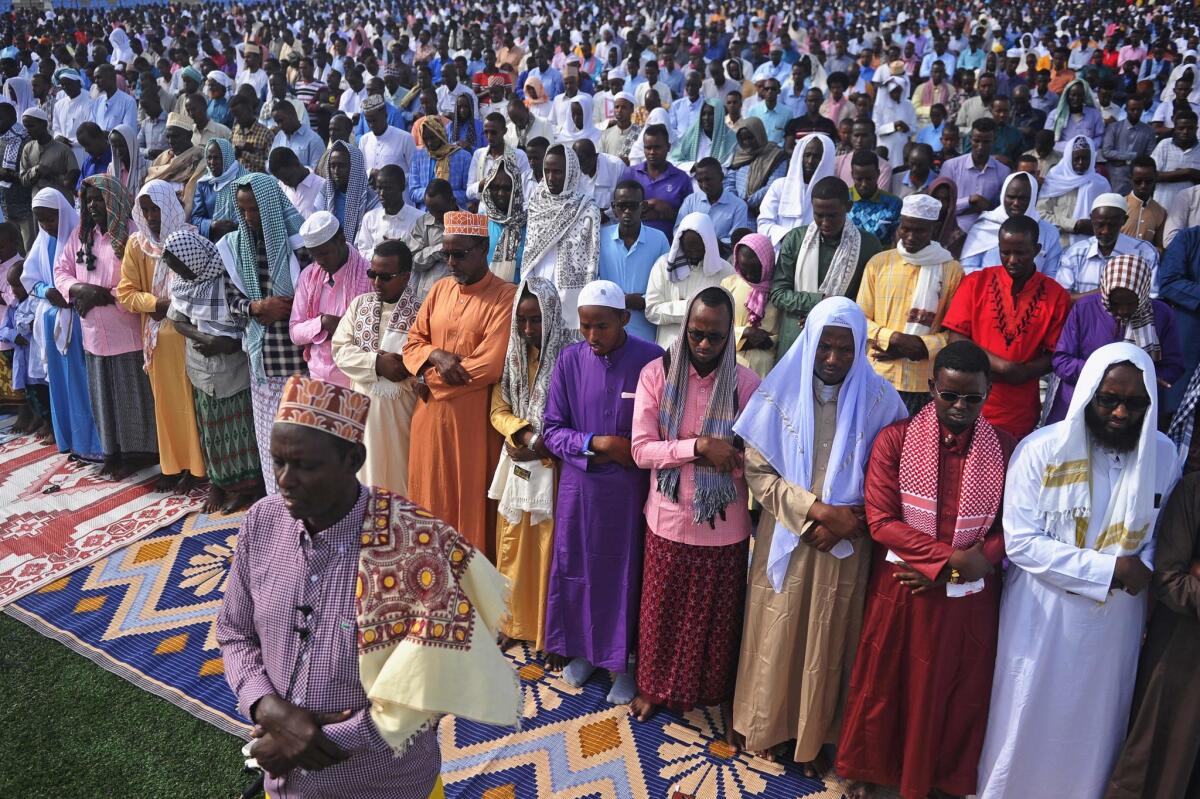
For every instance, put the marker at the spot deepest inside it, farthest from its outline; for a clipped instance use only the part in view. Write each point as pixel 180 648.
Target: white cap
pixel 319 228
pixel 921 206
pixel 627 97
pixel 602 292
pixel 33 112
pixel 1110 200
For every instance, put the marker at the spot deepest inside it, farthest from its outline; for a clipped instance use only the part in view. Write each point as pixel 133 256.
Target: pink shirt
pixel 107 329
pixel 673 520
pixel 314 297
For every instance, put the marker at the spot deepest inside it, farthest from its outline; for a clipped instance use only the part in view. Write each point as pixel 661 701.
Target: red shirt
pixel 983 310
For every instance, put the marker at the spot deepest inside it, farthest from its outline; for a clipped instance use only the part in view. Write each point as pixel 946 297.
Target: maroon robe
pixel 919 693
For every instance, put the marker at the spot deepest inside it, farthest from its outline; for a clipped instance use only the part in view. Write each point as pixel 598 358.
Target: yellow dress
pixel 757 361
pixel 174 410
pixel 523 550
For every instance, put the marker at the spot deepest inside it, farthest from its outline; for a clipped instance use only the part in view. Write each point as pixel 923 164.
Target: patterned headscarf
pixel 359 196
pixel 440 156
pixel 171 219
pixel 756 303
pixel 201 299
pixel 724 140
pixel 280 221
pixel 528 400
pixel 511 219
pixel 713 490
pixel 232 169
pixel 118 202
pixel 1132 272
pixel 568 221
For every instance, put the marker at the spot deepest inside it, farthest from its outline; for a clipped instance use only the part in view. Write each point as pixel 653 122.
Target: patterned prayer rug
pixel 57 515
pixel 147 613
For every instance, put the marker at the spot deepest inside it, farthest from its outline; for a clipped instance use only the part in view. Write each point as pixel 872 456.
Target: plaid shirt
pixel 15 199
pixel 253 144
pixel 284 579
pixel 281 357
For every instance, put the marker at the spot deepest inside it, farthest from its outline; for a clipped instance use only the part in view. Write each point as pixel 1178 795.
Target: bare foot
pixel 110 466
pixel 166 482
pixel 44 432
pixel 556 662
pixel 215 499
pixel 860 790
pixel 506 642
pixel 187 482
pixel 26 421
pixel 765 754
pixel 123 469
pixel 641 708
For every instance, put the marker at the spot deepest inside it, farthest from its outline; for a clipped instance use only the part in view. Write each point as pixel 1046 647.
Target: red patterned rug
pixel 57 515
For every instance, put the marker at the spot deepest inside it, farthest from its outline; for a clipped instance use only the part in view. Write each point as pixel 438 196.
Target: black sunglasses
pixel 699 336
pixel 385 276
pixel 1110 402
pixel 953 397
pixel 458 255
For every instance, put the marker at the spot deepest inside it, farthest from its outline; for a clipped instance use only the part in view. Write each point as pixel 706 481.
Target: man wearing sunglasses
pixel 1015 313
pixel 456 349
pixel 1081 502
pixel 933 489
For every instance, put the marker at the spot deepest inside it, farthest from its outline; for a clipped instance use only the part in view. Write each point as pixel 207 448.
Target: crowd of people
pixel 836 369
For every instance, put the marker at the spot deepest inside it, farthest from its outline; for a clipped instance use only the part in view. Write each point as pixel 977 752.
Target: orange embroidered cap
pixel 323 406
pixel 464 223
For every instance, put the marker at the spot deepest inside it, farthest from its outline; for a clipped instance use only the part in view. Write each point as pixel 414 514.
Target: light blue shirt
pixel 774 121
pixel 970 59
pixel 630 268
pixel 306 144
pixel 120 109
pixel 1082 264
pixel 728 213
pixel 931 136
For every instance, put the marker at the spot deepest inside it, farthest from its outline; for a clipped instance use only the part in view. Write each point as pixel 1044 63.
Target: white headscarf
pixel 589 130
pixel 796 199
pixel 1062 178
pixel 39 268
pixel 22 97
pixel 779 422
pixel 1064 500
pixel 137 162
pixel 713 263
pixel 984 235
pixel 171 218
pixel 637 153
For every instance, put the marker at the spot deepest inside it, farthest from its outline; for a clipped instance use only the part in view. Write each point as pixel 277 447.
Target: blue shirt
pixel 879 215
pixel 774 121
pixel 551 81
pixel 120 109
pixel 306 144
pixel 931 136
pixel 630 268
pixel 424 169
pixel 728 213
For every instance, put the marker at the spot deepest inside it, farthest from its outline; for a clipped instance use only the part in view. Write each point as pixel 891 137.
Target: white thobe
pixel 667 300
pixel 69 114
pixel 395 146
pixel 304 197
pixel 1067 655
pixel 378 225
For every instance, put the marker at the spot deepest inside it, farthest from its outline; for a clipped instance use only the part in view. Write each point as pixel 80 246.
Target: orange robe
pixel 454 447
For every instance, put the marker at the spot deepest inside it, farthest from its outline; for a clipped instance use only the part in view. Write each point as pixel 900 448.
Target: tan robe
pixel 389 419
pixel 523 550
pixel 456 450
pixel 757 361
pixel 798 646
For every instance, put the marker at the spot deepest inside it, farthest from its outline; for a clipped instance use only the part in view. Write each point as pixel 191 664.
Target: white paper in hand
pixel 842 549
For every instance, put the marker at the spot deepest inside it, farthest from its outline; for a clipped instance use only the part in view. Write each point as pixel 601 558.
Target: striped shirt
pixel 284 579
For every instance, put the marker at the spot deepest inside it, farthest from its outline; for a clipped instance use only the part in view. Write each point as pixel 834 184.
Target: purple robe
pixel 1088 328
pixel 596 569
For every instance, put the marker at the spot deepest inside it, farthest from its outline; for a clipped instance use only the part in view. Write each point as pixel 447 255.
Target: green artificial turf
pixel 71 730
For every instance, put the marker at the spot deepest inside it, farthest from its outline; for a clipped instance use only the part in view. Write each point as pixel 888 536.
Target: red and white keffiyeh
pixel 982 479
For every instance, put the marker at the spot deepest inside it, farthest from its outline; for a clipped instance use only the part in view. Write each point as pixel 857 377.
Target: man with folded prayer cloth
pixel 343 669
pixel 934 486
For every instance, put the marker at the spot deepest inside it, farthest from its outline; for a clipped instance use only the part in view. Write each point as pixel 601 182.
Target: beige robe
pixel 389 419
pixel 523 550
pixel 798 645
pixel 757 361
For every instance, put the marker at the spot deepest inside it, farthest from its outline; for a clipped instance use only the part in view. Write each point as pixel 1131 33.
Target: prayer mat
pixel 148 612
pixel 57 514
